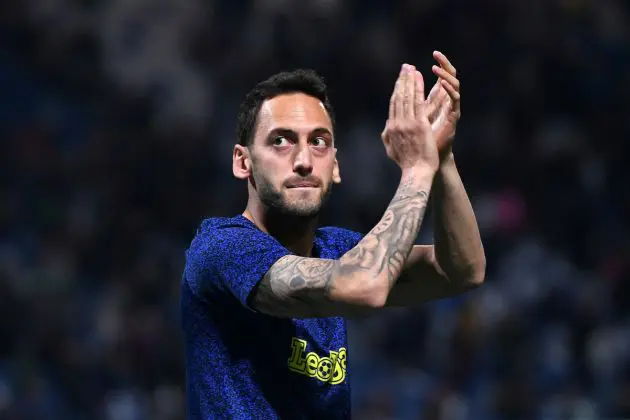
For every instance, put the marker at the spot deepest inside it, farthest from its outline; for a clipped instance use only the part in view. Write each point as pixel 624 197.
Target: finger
pixel 453 93
pixel 443 74
pixel 421 108
pixel 434 99
pixel 444 62
pixel 433 109
pixel 409 92
pixel 434 91
pixel 393 98
pixel 438 99
pixel 399 108
pixel 419 85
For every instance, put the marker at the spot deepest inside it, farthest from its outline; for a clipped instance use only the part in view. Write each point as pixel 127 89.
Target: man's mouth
pixel 303 184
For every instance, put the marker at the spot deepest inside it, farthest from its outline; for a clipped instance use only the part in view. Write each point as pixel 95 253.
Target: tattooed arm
pixel 298 287
pixel 457 262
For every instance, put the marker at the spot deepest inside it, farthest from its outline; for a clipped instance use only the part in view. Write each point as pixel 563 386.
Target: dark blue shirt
pixel 245 365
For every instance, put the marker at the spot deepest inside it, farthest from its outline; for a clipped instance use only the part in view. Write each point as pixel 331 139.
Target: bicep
pixel 299 287
pixel 422 280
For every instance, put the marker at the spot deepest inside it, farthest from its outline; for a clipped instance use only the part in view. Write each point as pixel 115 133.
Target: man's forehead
pixel 293 109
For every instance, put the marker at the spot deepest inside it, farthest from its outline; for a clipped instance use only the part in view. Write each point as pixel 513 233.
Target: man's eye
pixel 280 141
pixel 319 141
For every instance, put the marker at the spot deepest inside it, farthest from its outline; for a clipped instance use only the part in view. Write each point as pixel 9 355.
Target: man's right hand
pixel 407 137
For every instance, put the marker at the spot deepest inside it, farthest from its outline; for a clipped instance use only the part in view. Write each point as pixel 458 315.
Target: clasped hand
pixel 419 131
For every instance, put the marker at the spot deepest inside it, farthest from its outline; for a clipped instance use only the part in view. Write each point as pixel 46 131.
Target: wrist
pixel 447 159
pixel 447 171
pixel 419 173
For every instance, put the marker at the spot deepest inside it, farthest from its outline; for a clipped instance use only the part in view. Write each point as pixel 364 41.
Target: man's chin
pixel 304 211
pixel 300 208
pixel 302 203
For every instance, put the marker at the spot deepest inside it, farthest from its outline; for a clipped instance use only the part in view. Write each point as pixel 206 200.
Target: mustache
pixel 297 181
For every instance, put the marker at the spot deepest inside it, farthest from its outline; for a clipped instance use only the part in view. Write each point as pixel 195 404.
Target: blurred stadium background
pixel 117 121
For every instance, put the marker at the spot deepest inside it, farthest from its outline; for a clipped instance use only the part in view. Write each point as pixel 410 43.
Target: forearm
pixel 458 248
pixel 377 261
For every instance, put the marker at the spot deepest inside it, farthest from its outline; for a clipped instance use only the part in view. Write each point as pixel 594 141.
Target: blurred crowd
pixel 117 120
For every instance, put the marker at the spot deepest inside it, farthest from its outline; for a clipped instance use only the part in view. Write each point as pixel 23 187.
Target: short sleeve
pixel 349 239
pixel 343 240
pixel 232 259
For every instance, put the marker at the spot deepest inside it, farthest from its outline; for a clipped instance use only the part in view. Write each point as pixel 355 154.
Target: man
pixel 265 293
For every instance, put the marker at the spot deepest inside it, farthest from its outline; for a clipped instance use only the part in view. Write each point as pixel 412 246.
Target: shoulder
pixel 217 230
pixel 217 237
pixel 223 240
pixel 214 225
pixel 340 238
pixel 230 254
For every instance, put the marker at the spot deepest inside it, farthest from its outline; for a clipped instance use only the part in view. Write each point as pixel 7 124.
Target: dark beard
pixel 273 199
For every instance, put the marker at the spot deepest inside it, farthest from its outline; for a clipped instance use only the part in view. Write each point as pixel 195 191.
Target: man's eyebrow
pixel 322 130
pixel 281 130
pixel 285 130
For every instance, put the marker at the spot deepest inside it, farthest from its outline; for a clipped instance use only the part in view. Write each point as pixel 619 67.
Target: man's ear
pixel 336 176
pixel 241 162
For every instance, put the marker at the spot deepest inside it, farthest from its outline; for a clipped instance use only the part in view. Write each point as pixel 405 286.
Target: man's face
pixel 293 155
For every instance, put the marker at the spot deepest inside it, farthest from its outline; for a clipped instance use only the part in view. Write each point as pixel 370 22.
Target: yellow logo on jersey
pixel 331 369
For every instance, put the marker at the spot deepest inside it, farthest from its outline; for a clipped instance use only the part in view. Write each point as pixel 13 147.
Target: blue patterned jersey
pixel 245 365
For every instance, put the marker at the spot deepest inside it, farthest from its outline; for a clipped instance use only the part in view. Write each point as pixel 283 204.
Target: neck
pixel 293 232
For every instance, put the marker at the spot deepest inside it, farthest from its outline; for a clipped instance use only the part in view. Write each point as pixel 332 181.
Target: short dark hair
pixel 296 81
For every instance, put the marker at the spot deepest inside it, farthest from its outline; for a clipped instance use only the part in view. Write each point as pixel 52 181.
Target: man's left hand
pixel 444 104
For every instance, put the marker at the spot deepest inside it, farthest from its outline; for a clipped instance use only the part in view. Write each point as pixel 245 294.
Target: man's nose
pixel 303 163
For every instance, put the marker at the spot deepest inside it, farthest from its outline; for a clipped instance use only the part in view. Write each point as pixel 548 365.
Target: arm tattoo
pixel 386 247
pixel 295 286
pixel 300 287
